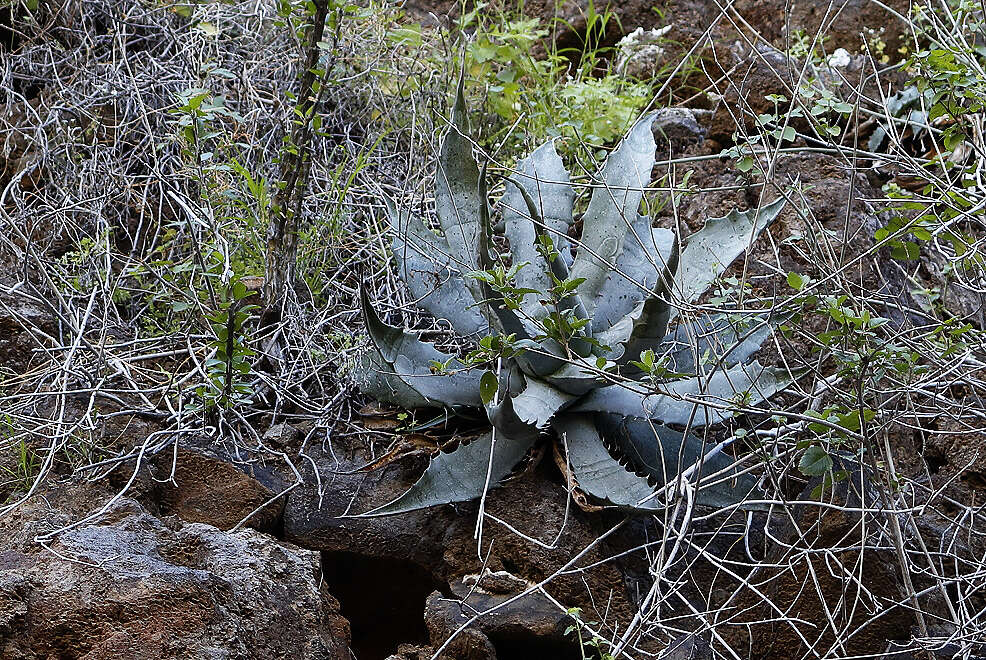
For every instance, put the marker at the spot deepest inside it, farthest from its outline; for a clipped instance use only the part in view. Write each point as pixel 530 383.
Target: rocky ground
pixel 197 543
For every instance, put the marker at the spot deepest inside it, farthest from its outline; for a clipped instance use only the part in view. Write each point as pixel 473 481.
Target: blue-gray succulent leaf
pixel 525 405
pixel 613 208
pixel 556 269
pixel 646 325
pixel 596 471
pixel 538 203
pixel 414 360
pixel 457 199
pixel 709 251
pixel 664 455
pixel 539 402
pixel 646 253
pixel 509 322
pixel 728 339
pixel 695 402
pixel 460 475
pixel 706 255
pixel 432 276
pixel 579 376
pixel 377 379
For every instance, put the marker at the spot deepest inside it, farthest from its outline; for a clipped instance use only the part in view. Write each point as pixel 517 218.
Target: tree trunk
pixel 282 236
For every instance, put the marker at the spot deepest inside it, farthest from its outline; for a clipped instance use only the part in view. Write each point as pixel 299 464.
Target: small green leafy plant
pixel 21 475
pixel 571 341
pixel 228 370
pixel 865 353
pixel 941 108
pixel 591 646
pixel 570 91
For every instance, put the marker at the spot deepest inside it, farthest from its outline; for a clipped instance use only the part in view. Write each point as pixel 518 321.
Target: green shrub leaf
pixel 815 462
pixel 488 385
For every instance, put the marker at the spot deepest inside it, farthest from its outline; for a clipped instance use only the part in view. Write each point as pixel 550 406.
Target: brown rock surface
pixel 955 451
pixel 129 585
pixel 515 623
pixel 827 226
pixel 198 485
pixel 24 322
pixel 816 582
pixel 849 24
pixel 436 547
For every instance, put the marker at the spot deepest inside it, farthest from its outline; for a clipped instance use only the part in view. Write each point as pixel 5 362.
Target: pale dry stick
pixel 106 507
pixel 319 488
pixel 820 591
pixel 687 500
pixel 855 576
pixel 716 636
pixel 643 546
pixel 817 504
pixel 58 436
pixel 478 532
pixel 483 567
pixel 816 40
pixel 47 343
pixel 579 622
pixel 774 151
pixel 174 461
pixel 535 541
pixel 745 582
pixel 570 487
pixel 878 615
pixel 940 491
pixel 73 560
pixel 153 450
pixel 681 485
pixel 888 459
pixel 894 521
pixel 786 508
pixel 686 577
pixel 142 115
pixel 706 35
pixel 298 482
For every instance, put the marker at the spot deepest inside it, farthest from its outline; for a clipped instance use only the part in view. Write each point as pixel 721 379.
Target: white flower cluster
pixel 840 59
pixel 641 51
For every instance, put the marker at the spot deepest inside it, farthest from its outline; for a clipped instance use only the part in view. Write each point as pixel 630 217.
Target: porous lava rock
pixel 129 585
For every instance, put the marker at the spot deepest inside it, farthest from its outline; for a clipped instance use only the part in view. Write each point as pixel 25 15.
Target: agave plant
pixel 573 334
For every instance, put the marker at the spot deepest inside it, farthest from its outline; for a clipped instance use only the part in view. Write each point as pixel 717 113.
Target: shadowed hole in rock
pixel 976 480
pixel 383 599
pixel 9 39
pixel 522 643
pixel 935 461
